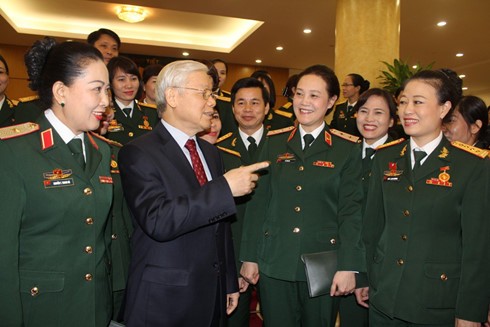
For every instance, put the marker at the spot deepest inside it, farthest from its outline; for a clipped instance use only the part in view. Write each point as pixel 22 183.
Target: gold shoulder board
pixel 235 153
pixel 287 105
pixel 283 113
pixel 147 105
pixel 224 137
pixel 226 93
pixel 27 99
pixel 12 103
pixel 345 136
pixel 280 131
pixel 386 145
pixel 17 130
pixel 471 149
pixel 106 140
pixel 223 98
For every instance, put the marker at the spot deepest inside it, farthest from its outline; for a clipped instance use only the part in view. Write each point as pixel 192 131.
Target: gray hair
pixel 173 75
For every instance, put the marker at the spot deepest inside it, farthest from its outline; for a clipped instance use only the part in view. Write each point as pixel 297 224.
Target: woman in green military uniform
pixel 6 105
pixel 130 119
pixel 56 194
pixel 308 201
pixel 426 221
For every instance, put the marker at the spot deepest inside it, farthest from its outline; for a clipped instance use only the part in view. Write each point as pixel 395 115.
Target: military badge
pixel 233 143
pixel 58 178
pixel 286 157
pixel 146 124
pixel 328 138
pixel 442 180
pixel 393 174
pixel 341 115
pixel 114 126
pixel 105 179
pixel 444 153
pixel 326 164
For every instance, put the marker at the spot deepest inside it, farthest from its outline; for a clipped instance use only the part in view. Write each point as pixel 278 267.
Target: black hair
pixel 328 76
pixel 95 35
pixel 290 85
pixel 455 79
pixel 249 82
pixel 127 66
pixel 48 62
pixel 150 71
pixel 221 61
pixel 211 72
pixel 2 59
pixel 387 96
pixel 264 77
pixel 358 80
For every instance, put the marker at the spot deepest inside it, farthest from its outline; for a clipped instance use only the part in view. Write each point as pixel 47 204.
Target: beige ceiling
pixel 421 41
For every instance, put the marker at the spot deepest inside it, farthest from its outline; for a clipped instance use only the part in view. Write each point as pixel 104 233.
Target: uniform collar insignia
pixel 47 139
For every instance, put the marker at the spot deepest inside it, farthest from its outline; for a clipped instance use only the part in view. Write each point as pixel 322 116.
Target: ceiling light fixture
pixel 459 54
pixel 414 66
pixel 279 48
pixel 464 88
pixel 185 54
pixel 258 61
pixel 442 23
pixel 307 31
pixel 131 14
pixel 462 76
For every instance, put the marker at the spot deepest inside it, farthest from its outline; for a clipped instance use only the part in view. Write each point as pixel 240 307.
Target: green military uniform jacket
pixel 7 113
pixel 345 120
pixel 225 110
pixel 28 109
pixel 235 154
pixel 54 231
pixel 426 234
pixel 306 202
pixel 123 129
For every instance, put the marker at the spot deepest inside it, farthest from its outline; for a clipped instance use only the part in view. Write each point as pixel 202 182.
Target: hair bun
pixel 36 58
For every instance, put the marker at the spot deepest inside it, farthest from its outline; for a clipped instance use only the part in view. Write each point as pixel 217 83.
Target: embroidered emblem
pixel 114 126
pixel 113 164
pixel 402 152
pixel 47 140
pixel 233 143
pixel 393 174
pixel 327 164
pixel 444 153
pixel 58 178
pixel 286 157
pixel 328 138
pixel 146 124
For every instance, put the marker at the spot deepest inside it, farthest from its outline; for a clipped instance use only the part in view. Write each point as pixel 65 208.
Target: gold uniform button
pixel 88 249
pixel 88 277
pixel 410 188
pixel 266 233
pixel 34 291
pixel 443 277
pixel 130 134
pixel 297 209
pixel 333 241
pixel 114 237
pixel 404 237
pixel 400 262
pixel 87 191
pixel 298 188
pixel 406 213
pixel 296 230
pixel 89 221
pixel 301 168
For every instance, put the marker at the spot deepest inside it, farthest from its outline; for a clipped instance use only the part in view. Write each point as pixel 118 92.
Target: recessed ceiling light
pixel 459 54
pixel 307 30
pixel 464 88
pixel 185 54
pixel 414 66
pixel 258 61
pixel 279 48
pixel 442 23
pixel 462 76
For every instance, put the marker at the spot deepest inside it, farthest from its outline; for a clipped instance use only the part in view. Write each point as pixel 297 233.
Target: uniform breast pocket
pixel 440 285
pixel 42 296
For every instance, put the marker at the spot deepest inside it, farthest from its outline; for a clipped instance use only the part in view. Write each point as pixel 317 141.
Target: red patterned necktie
pixel 196 162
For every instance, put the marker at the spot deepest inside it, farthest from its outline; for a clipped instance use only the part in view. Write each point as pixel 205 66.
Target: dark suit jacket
pixel 427 244
pixel 182 251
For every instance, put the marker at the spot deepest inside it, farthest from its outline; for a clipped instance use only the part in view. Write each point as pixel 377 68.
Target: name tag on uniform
pixel 105 179
pixel 58 178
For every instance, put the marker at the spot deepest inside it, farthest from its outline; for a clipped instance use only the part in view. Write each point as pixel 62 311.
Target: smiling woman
pixel 55 210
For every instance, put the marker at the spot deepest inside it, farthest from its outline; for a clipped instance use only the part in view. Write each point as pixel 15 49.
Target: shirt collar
pixel 257 136
pixel 64 131
pixel 179 136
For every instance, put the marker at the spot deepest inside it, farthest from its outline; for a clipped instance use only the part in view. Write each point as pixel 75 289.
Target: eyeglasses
pixel 346 84
pixel 205 93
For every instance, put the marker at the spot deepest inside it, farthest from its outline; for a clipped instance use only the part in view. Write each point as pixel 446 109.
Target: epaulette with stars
pixel 14 131
pixel 386 145
pixel 280 131
pixel 224 137
pixel 345 136
pixel 482 153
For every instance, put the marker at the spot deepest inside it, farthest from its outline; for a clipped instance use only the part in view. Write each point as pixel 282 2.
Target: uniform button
pixel 87 191
pixel 406 213
pixel 88 249
pixel 404 237
pixel 266 233
pixel 363 178
pixel 333 241
pixel 88 277
pixel 130 134
pixel 89 221
pixel 410 188
pixel 114 237
pixel 400 262
pixel 34 291
pixel 298 188
pixel 301 168
pixel 296 230
pixel 297 209
pixel 443 277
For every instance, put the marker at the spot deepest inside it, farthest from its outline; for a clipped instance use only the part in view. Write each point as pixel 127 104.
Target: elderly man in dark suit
pixel 182 271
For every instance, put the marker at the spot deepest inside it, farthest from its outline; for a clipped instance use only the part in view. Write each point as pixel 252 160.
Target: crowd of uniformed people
pixel 398 187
